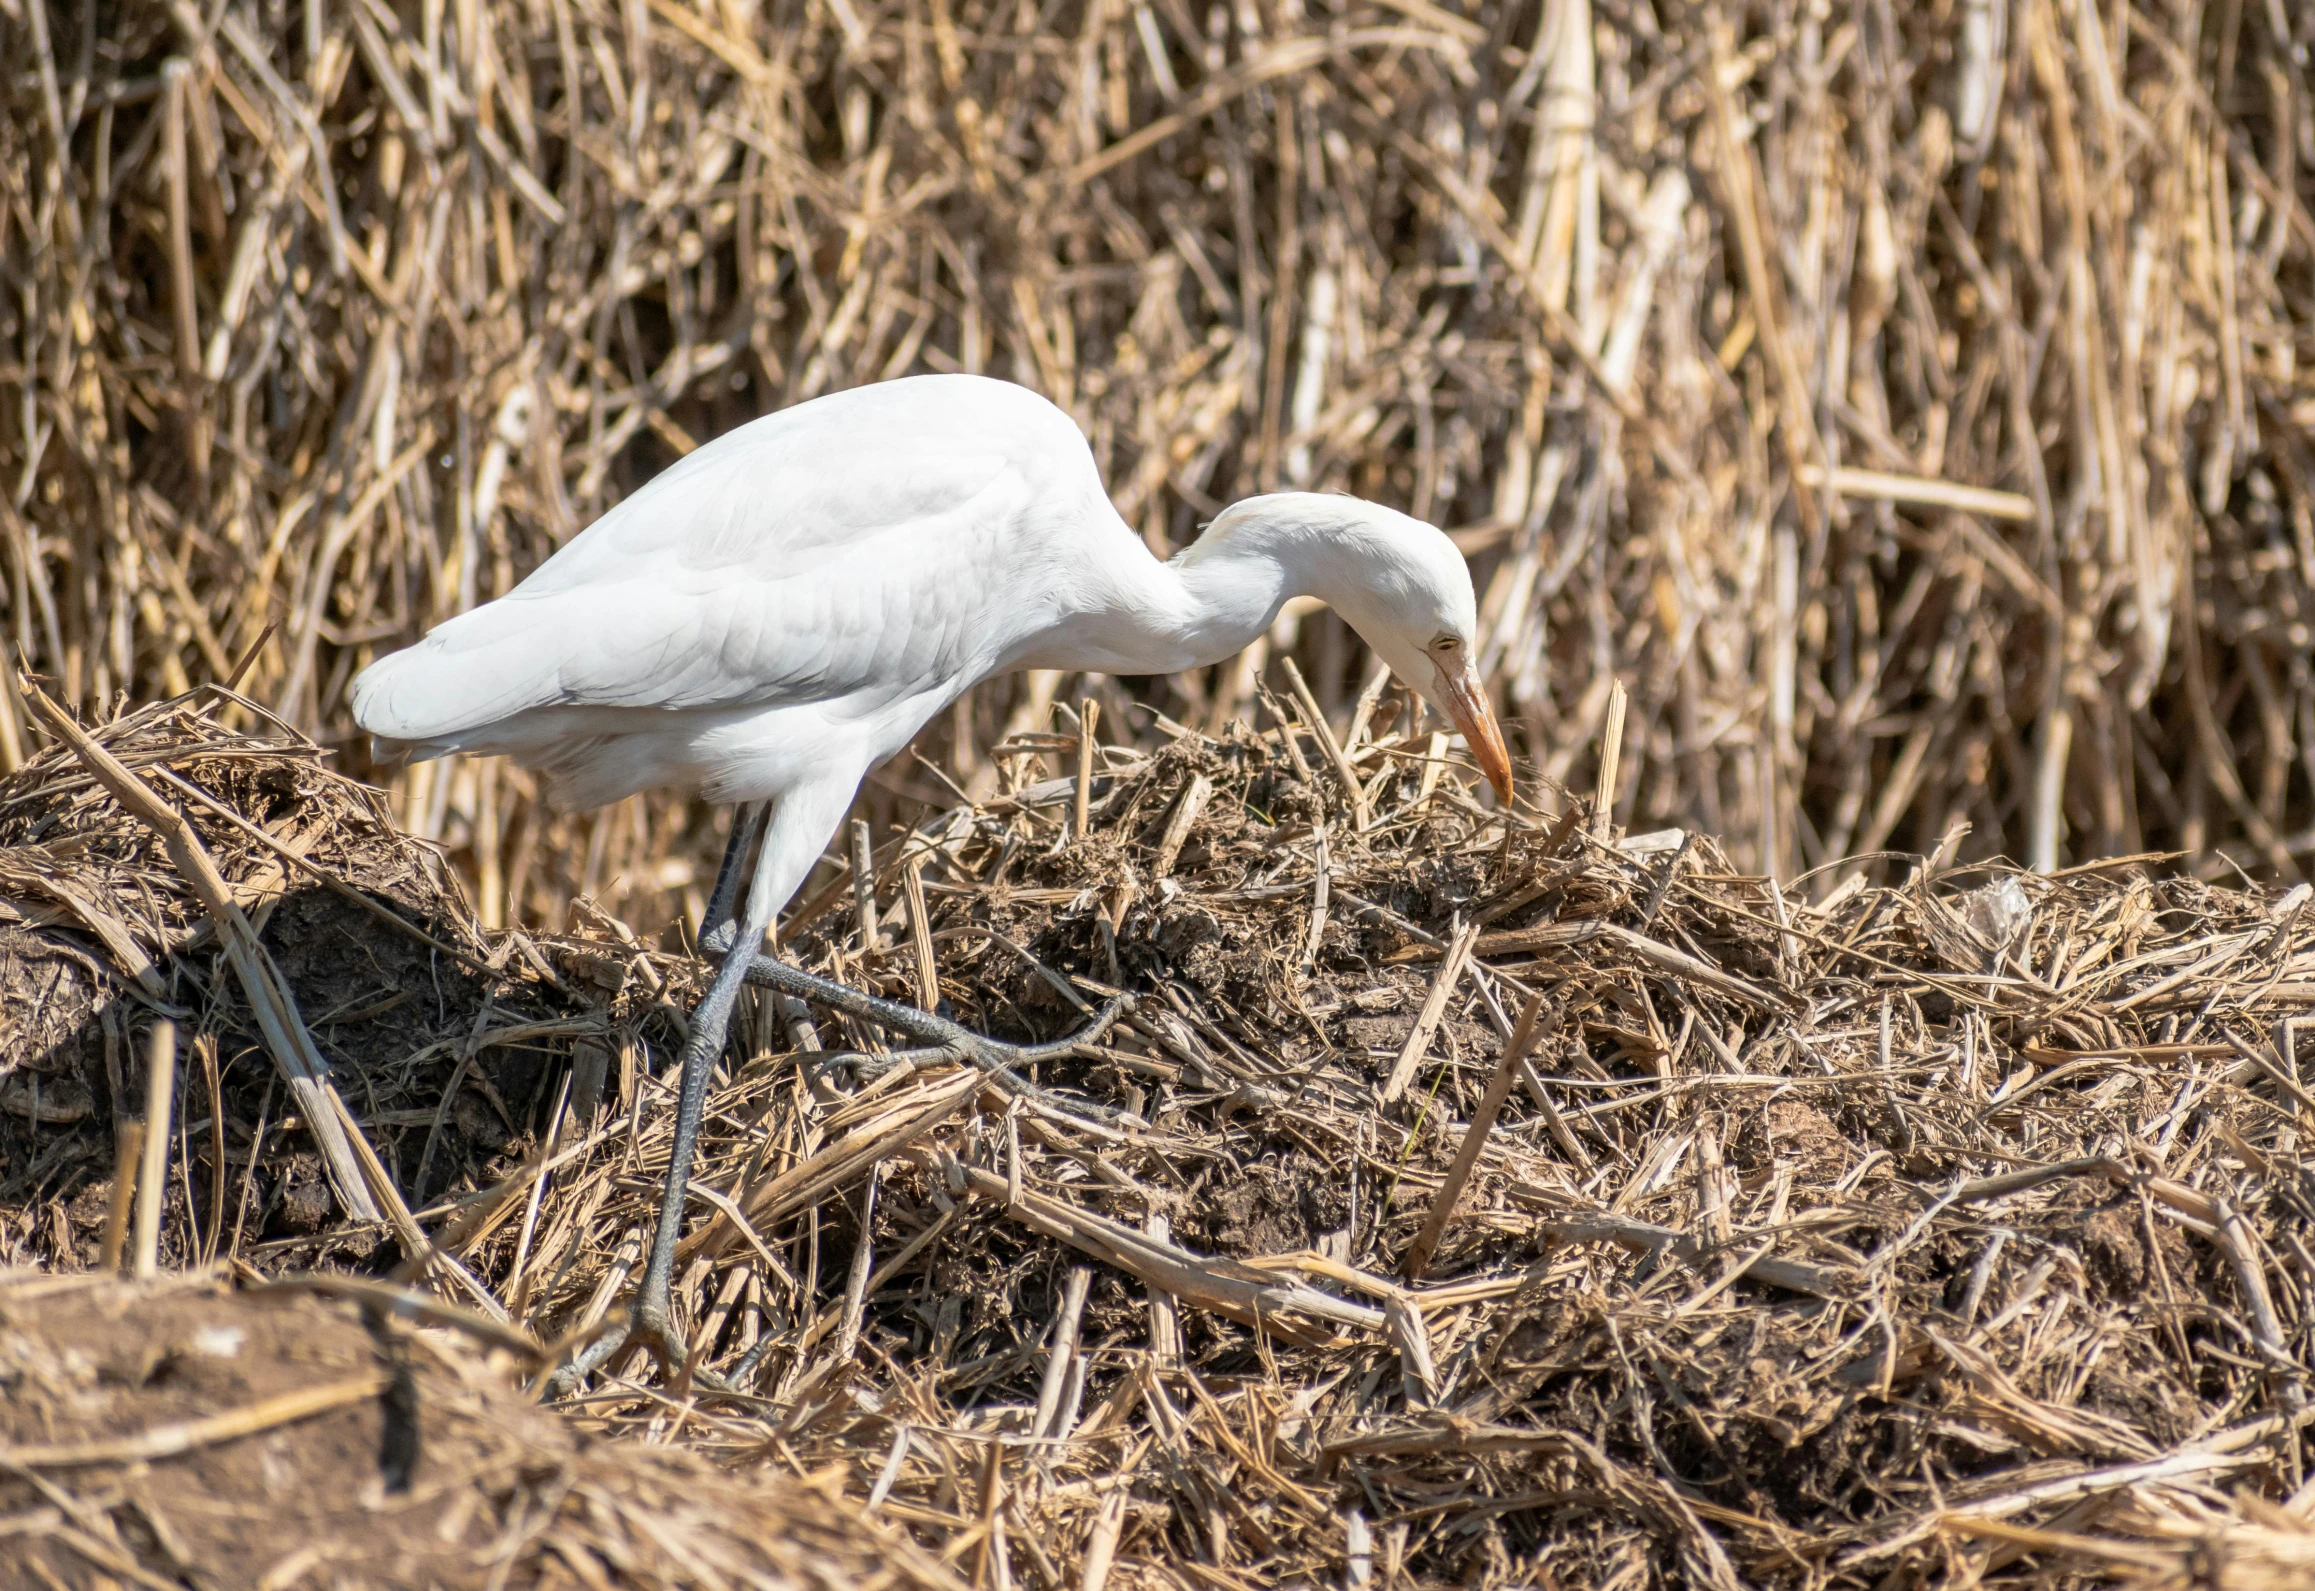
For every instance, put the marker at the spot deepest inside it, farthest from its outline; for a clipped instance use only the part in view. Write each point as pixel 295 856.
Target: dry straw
pixel 1953 1229
pixel 1892 420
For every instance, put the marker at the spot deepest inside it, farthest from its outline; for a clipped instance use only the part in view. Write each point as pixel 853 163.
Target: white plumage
pixel 822 575
pixel 790 604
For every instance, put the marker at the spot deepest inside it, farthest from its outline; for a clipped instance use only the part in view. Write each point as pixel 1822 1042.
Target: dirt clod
pixel 226 1437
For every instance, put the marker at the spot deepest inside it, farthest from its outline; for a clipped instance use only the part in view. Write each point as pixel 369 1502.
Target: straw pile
pixel 1466 1199
pixel 324 967
pixel 1910 406
pixel 341 316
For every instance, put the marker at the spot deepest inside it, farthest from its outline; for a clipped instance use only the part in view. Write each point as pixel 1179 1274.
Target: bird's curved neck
pixel 1212 600
pixel 1234 580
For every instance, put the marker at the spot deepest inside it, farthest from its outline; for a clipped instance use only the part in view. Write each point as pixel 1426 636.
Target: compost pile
pixel 375 966
pixel 1945 1229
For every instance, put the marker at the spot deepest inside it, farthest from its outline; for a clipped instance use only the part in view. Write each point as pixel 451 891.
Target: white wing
pixel 870 544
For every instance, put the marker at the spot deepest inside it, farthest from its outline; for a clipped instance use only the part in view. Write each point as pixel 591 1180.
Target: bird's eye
pixel 1446 643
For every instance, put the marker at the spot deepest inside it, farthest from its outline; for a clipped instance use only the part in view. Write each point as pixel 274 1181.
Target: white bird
pixel 788 606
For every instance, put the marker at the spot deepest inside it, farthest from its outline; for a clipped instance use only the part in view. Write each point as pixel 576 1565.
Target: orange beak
pixel 1467 704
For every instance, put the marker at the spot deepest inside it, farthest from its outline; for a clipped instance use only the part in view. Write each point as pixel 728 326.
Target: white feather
pixel 790 604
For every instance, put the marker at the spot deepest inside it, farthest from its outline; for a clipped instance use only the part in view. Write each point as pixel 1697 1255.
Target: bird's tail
pixel 461 686
pixel 440 700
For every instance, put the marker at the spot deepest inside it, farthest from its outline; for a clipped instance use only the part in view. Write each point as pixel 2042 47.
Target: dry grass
pixel 1952 1231
pixel 341 317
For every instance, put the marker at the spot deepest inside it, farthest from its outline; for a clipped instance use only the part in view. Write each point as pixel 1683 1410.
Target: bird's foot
pixel 1003 1064
pixel 566 1377
pixel 651 1327
pixel 648 1326
pixel 938 1038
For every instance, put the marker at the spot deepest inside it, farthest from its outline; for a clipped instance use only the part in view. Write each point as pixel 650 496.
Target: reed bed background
pixel 338 318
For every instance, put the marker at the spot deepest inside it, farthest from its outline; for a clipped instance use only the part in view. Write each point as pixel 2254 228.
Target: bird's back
pixel 849 552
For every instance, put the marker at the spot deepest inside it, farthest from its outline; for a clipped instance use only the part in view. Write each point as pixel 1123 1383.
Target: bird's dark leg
pixel 709 1019
pixel 941 1039
pixel 650 1321
pixel 747 825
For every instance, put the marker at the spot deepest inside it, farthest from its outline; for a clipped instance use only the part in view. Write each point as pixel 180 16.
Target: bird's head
pixel 1404 587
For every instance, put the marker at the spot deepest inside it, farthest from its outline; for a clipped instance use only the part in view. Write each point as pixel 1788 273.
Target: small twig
pixel 919 936
pixel 1101 1546
pixel 1057 1358
pixel 863 1264
pixel 1363 714
pixel 1185 813
pixel 206 1047
pixel 1088 714
pixel 152 1176
pixel 1353 791
pixel 186 1436
pixel 1561 1133
pixel 128 1161
pixel 1165 1332
pixel 1434 1009
pixel 1656 895
pixel 1287 738
pixel 1403 1322
pixel 2241 1249
pixel 863 885
pixel 1515 1049
pixel 1611 758
pixel 1320 889
pixel 883 1273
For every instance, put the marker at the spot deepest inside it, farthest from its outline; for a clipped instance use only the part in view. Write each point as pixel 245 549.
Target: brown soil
pixel 153 1432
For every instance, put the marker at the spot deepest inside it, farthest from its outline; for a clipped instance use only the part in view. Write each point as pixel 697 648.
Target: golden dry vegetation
pixel 339 317
pixel 1463 1201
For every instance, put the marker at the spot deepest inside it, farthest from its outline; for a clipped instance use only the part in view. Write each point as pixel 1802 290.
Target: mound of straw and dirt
pixel 1466 1198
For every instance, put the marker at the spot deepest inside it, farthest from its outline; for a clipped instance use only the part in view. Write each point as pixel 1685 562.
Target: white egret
pixel 786 607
